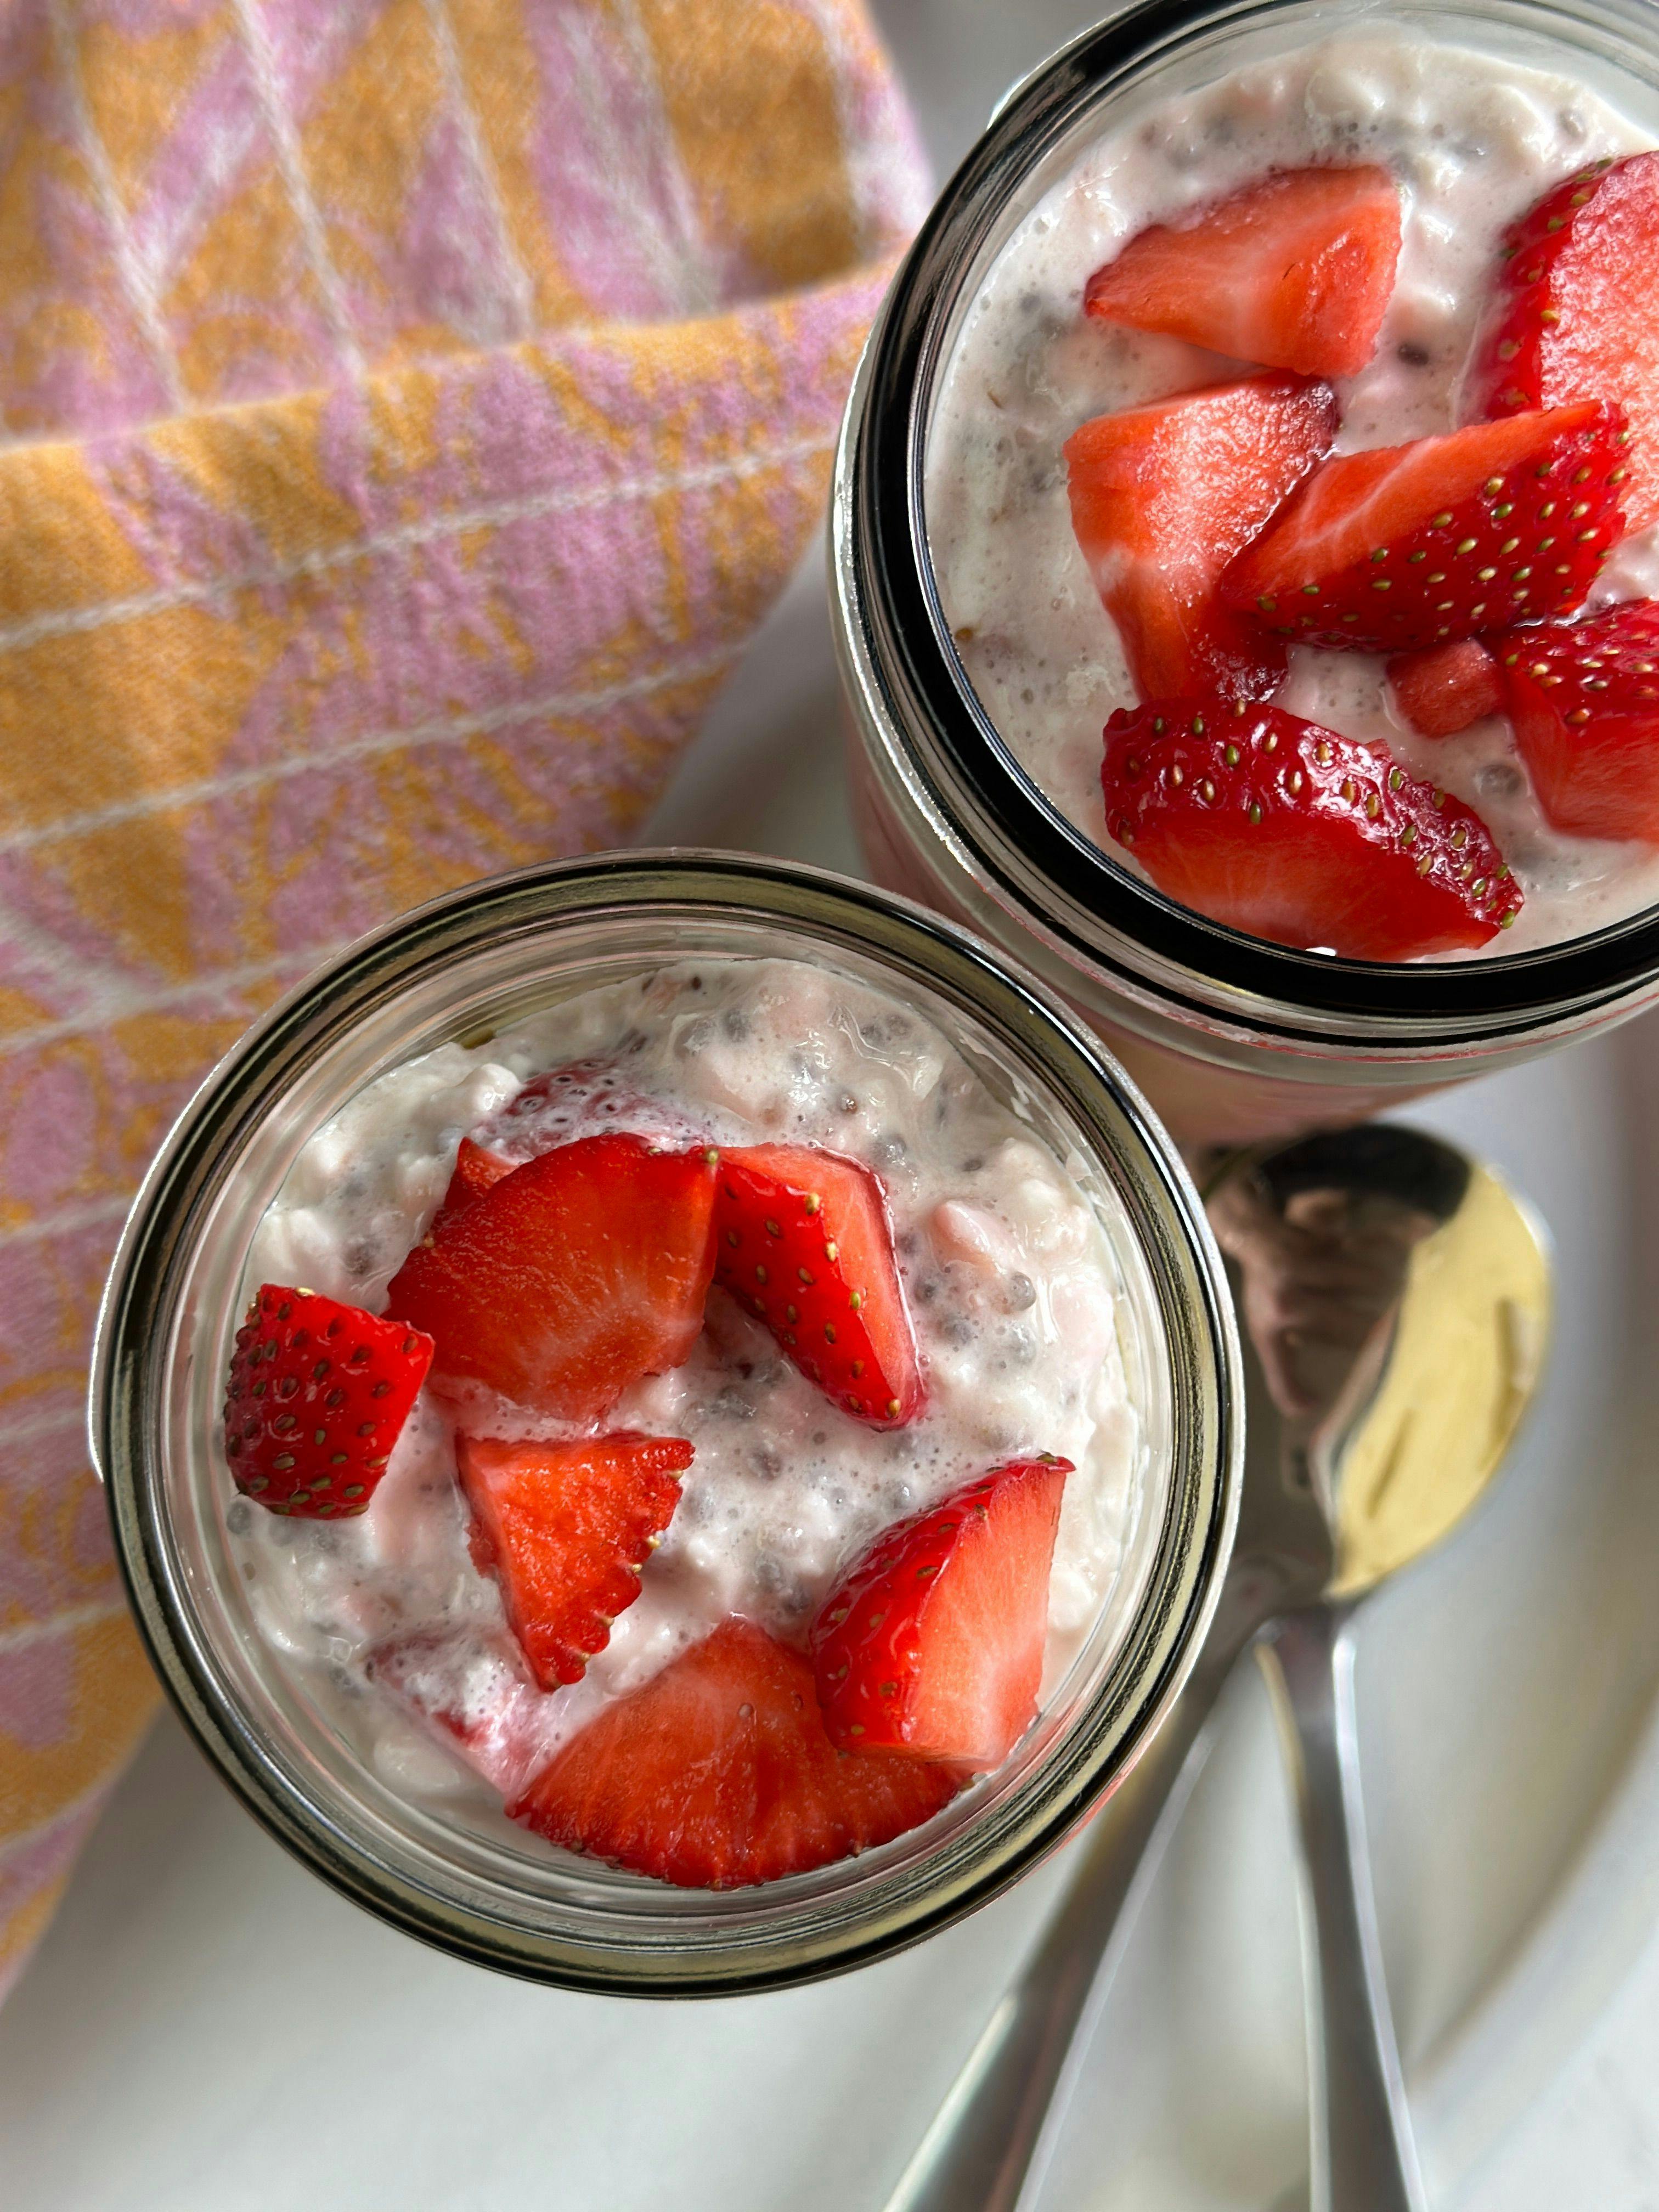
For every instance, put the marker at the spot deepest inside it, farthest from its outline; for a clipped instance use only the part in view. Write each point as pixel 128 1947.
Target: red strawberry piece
pixel 473 1697
pixel 570 1278
pixel 933 1644
pixel 476 1170
pixel 565 1529
pixel 1163 497
pixel 1286 830
pixel 1295 271
pixel 1447 688
pixel 1405 546
pixel 581 1099
pixel 1584 702
pixel 1577 312
pixel 317 1395
pixel 801 1238
pixel 718 1772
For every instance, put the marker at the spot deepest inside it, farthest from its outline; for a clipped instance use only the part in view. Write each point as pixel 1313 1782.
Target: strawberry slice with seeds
pixel 570 1278
pixel 1407 546
pixel 1584 707
pixel 1289 831
pixel 318 1396
pixel 802 1238
pixel 1443 691
pixel 565 1529
pixel 1583 701
pixel 1585 704
pixel 1577 316
pixel 1294 271
pixel 476 1171
pixel 933 1645
pixel 473 1696
pixel 718 1773
pixel 1163 497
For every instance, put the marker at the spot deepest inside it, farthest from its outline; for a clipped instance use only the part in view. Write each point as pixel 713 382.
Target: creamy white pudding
pixel 1027 1343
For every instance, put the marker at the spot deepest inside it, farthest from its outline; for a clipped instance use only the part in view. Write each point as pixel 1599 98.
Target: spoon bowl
pixel 1394 1302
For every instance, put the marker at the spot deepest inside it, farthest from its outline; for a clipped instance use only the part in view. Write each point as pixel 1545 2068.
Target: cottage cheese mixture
pixel 1026 1346
pixel 1473 142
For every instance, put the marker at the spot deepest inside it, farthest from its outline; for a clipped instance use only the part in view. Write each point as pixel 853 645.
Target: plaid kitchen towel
pixel 411 409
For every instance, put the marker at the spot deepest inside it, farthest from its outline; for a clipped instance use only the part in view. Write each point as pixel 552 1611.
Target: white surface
pixel 208 2029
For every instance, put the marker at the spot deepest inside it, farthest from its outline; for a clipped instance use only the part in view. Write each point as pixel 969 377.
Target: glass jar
pixel 460 969
pixel 1234 1039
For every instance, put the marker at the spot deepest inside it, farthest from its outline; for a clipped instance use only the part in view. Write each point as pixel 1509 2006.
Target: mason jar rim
pixel 140 1325
pixel 1025 852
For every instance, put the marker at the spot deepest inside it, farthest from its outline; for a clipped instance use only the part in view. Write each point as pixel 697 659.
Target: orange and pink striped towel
pixel 411 407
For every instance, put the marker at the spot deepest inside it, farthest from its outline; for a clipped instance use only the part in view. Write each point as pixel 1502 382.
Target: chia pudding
pixel 1471 144
pixel 403 1626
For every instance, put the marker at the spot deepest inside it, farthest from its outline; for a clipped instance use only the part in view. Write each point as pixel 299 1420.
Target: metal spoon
pixel 1469 1372
pixel 1395 1298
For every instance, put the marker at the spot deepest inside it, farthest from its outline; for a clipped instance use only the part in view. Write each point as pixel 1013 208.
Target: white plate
pixel 208 2029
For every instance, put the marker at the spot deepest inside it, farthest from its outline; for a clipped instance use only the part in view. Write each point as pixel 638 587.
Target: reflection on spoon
pixel 1323 1260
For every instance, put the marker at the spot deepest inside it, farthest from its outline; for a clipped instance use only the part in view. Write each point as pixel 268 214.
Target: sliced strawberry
pixel 1448 687
pixel 565 1529
pixel 476 1171
pixel 1404 546
pixel 802 1238
pixel 718 1772
pixel 1163 497
pixel 1584 703
pixel 318 1396
pixel 583 1098
pixel 1295 271
pixel 570 1278
pixel 1286 830
pixel 1577 312
pixel 474 1696
pixel 933 1644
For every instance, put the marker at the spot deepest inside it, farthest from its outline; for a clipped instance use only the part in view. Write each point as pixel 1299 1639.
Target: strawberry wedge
pixel 1295 271
pixel 317 1396
pixel 718 1773
pixel 1577 316
pixel 1288 832
pixel 1163 497
pixel 565 1529
pixel 802 1238
pixel 1583 699
pixel 1408 546
pixel 569 1278
pixel 1584 703
pixel 933 1645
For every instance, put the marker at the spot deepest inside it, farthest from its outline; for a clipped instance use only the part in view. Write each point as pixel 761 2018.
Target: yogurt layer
pixel 1027 1339
pixel 1474 141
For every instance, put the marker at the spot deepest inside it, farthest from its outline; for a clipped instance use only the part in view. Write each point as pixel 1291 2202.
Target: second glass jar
pixel 1233 1038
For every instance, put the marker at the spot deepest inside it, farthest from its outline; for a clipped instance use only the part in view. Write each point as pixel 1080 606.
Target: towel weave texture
pixel 411 407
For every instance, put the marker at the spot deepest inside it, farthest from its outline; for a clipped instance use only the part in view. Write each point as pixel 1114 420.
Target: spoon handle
pixel 990 2139
pixel 1364 2155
